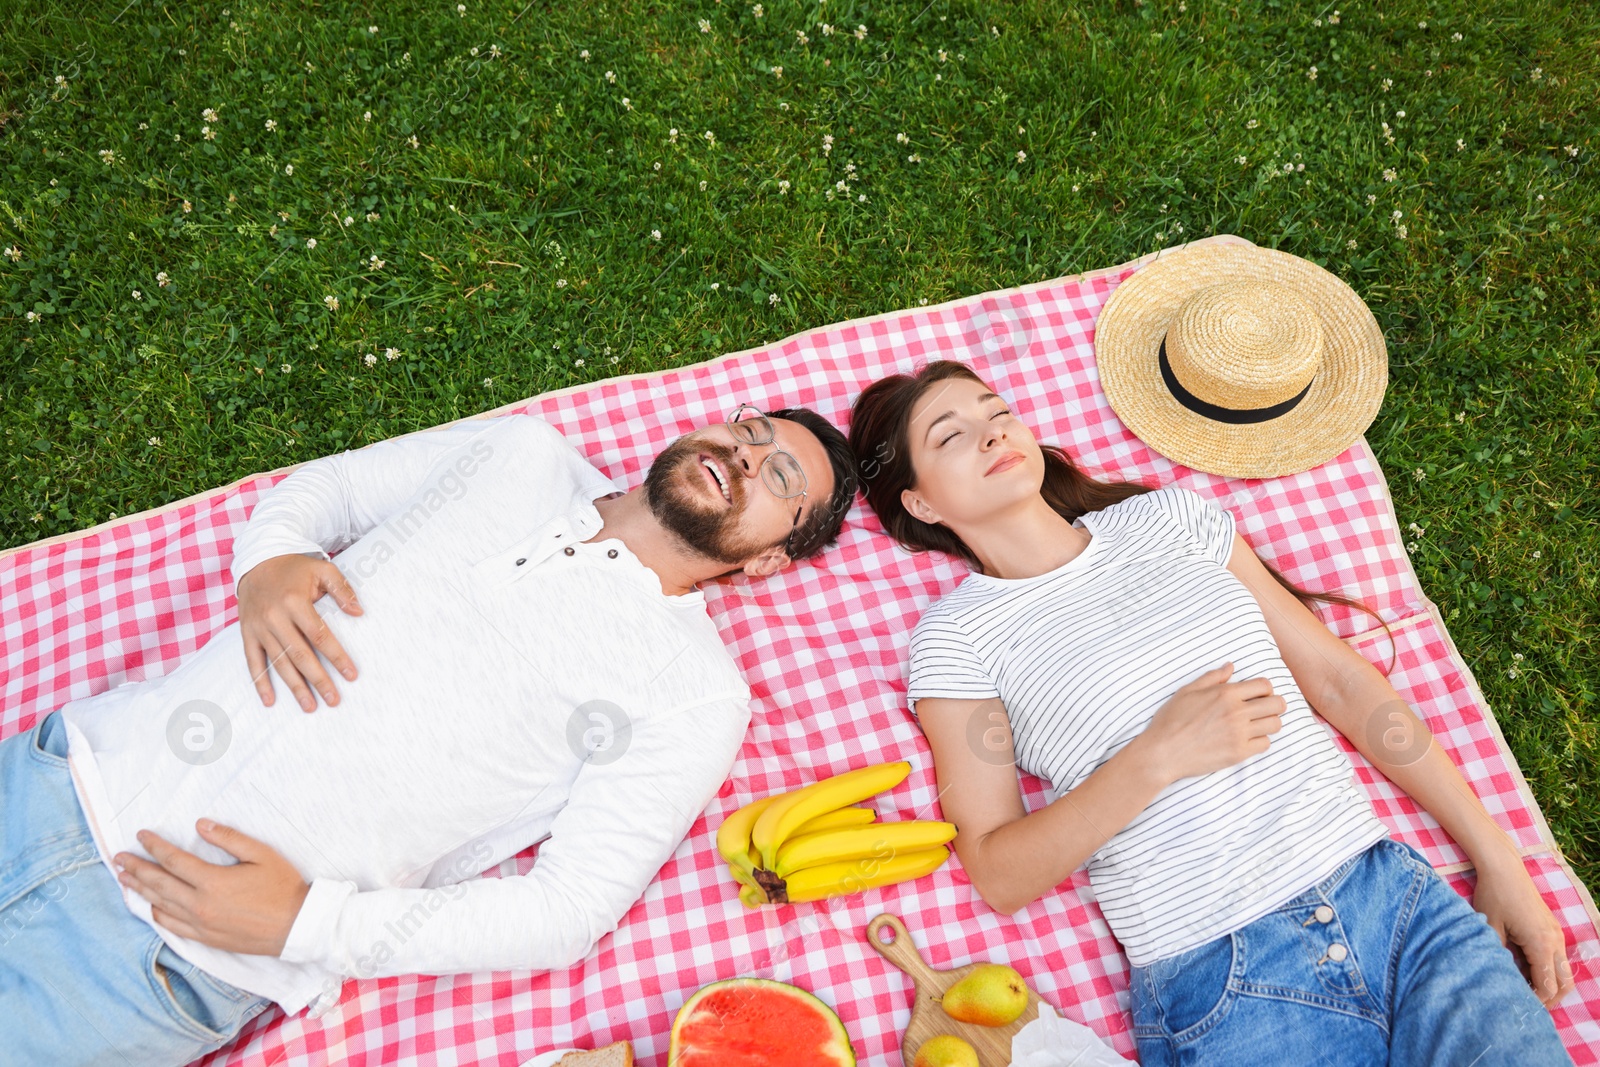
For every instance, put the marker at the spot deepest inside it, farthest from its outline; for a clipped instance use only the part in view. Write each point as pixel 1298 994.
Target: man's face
pixel 687 498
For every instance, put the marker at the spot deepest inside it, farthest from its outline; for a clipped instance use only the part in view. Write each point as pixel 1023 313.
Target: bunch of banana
pixel 813 843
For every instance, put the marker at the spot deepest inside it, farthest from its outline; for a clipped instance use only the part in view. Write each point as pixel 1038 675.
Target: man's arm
pixel 281 566
pixel 331 502
pixel 623 819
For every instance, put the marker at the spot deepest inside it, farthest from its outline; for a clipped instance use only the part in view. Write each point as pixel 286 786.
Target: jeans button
pixel 569 550
pixel 1324 914
pixel 1337 952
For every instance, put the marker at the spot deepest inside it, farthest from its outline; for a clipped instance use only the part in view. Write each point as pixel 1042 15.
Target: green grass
pixel 528 169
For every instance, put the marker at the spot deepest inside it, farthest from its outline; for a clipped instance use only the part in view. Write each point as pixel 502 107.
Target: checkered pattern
pixel 824 647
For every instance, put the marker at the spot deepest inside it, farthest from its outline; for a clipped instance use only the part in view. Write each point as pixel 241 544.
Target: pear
pixel 946 1050
pixel 992 995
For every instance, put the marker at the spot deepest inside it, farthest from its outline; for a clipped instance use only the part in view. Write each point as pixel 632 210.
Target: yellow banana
pixel 880 839
pixel 789 811
pixel 733 836
pixel 751 896
pixel 853 876
pixel 837 820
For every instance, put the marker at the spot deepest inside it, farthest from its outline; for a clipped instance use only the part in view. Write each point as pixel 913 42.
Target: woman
pixel 1126 645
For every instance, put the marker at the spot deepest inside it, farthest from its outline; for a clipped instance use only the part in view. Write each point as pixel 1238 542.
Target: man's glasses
pixel 780 470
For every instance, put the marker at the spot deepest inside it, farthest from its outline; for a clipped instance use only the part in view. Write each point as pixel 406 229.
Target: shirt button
pixel 569 550
pixel 1337 953
pixel 521 561
pixel 1324 914
pixel 612 553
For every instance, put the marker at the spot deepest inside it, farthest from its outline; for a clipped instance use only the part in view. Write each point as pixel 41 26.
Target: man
pixel 535 661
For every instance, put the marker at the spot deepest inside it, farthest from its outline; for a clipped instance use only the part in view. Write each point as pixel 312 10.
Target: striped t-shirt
pixel 1083 657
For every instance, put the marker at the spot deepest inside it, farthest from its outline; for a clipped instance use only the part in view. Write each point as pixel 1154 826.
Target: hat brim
pixel 1343 399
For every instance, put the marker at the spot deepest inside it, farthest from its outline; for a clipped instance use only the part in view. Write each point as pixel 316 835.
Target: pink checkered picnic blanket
pixel 824 647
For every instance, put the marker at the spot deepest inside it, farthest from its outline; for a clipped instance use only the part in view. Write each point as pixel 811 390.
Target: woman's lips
pixel 1006 462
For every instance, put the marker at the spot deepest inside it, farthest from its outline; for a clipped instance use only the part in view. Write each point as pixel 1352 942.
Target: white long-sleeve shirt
pixel 496 651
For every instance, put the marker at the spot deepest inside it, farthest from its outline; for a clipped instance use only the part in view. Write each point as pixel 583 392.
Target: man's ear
pixel 771 561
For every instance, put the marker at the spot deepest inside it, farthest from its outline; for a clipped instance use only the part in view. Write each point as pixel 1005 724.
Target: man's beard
pixel 704 523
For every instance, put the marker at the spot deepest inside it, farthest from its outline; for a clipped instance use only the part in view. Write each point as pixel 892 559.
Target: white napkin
pixel 1051 1041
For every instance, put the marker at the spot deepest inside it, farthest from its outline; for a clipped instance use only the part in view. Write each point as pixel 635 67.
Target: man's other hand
pixel 282 628
pixel 249 906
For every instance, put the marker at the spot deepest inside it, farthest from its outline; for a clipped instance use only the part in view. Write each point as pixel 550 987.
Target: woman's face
pixel 971 456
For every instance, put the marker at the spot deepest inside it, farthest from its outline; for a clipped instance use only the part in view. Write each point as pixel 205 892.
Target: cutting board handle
pixel 903 954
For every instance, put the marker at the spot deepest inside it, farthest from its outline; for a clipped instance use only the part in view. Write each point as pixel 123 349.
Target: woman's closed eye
pixel 996 415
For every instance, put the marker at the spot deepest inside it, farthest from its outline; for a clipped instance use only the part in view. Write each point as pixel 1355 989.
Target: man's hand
pixel 1511 903
pixel 280 624
pixel 249 906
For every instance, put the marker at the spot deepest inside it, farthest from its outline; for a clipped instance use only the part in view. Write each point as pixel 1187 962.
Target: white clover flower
pixel 272 231
pixel 1399 114
pixel 107 156
pixel 284 215
pixel 1387 84
pixel 61 79
pixel 1400 231
pixel 366 116
pixel 757 11
pixel 208 133
pixel 311 242
pixel 348 221
pixel 1537 74
pixel 672 135
pixel 656 165
pixel 1252 124
pixel 1333 19
pixel 561 283
pixel 487 382
pixel 626 103
pixel 705 25
pixel 994 30
pixel 839 185
pixel 391 354
pixel 577 362
pixel 777 72
pixel 1422 25
pixel 1372 198
pixel 332 302
pixel 1419 474
pixel 209 114
pixel 1021 156
pixel 369 359
pixel 372 216
pixel 702 185
pixel 1396 215
pixel 375 263
pixel 711 139
pixel 494 51
pixel 474 49
pixel 584 55
pixel 655 235
pixel 1455 36
pixel 801 38
pixel 1075 188
pixel 772 298
pixel 1572 150
pixel 1350 244
pixel 288 168
pixel 1287 167
pixel 1537 554
pixel 1389 175
pixel 715 286
pixel 187 207
pixel 915 157
pixel 1312 73
pixel 783 188
pixel 271 124
pixel 1241 160
pixel 144 125
pixel 286 368
pixel 372 29
pixel 827 143
pixel 827 30
pixel 161 279
pixel 942 55
pixel 461 9
pixel 1299 166
pixel 902 138
pixel 861 33
pixel 32 316
pixel 155 442
pixel 138 295
pixel 412 140
pixel 611 76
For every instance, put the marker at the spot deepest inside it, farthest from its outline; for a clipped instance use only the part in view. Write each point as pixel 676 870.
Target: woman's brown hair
pixel 879 422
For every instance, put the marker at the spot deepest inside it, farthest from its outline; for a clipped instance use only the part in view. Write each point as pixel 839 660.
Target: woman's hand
pixel 1212 723
pixel 249 906
pixel 1510 901
pixel 280 624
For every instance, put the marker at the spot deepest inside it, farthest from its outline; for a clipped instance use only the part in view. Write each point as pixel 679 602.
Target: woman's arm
pixel 1360 703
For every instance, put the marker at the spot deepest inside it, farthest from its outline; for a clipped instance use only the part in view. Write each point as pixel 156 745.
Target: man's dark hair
pixel 821 528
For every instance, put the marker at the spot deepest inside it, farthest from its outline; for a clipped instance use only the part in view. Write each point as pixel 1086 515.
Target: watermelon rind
pixel 839 1053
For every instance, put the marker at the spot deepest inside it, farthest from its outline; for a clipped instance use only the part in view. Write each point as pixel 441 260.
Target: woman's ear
pixel 917 507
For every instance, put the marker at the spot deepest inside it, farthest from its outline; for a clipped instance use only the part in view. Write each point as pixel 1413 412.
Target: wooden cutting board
pixel 927 1016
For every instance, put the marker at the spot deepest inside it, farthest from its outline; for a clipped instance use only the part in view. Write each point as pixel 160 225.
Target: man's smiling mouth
pixel 717 475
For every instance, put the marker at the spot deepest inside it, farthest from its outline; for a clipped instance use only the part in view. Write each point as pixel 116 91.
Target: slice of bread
pixel 616 1054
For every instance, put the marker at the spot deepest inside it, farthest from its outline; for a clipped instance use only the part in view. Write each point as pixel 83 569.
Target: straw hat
pixel 1241 361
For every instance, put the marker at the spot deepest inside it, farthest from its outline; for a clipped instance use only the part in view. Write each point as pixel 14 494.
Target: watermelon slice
pixel 756 1022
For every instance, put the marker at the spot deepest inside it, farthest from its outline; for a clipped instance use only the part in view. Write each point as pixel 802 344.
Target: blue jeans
pixel 82 979
pixel 1418 977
